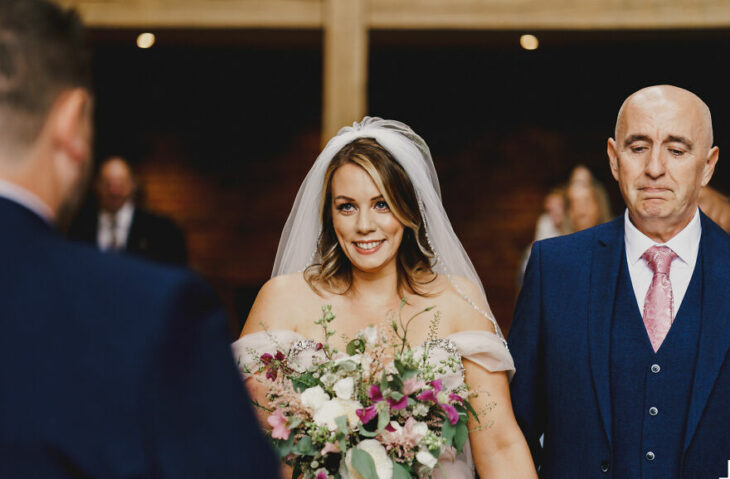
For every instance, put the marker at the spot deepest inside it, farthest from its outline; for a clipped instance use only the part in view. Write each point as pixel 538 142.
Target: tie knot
pixel 659 258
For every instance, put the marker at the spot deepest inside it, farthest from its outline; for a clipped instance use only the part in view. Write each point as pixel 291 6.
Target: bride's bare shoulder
pixel 456 298
pixel 280 303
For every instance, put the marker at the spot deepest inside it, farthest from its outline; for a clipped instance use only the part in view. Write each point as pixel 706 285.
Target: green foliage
pixel 304 447
pixel 283 447
pixel 364 464
pixel 448 432
pixel 471 410
pixel 303 382
pixel 356 346
pixel 400 471
pixel 461 435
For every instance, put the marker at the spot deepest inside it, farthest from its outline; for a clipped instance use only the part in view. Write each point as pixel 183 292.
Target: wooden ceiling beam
pixel 290 14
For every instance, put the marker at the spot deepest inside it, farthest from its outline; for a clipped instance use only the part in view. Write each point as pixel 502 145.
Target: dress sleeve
pixel 484 349
pixel 248 349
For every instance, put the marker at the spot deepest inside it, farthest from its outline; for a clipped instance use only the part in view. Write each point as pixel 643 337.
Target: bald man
pixel 621 332
pixel 121 226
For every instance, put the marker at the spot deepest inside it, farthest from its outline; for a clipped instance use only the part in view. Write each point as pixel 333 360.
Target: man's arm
pixel 527 387
pixel 202 423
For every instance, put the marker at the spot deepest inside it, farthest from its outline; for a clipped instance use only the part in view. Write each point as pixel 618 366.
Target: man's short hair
pixel 42 53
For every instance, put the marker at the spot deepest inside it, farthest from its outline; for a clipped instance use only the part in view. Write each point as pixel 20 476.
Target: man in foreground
pixel 109 367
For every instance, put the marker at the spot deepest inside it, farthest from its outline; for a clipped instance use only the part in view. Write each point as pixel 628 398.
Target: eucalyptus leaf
pixel 400 472
pixel 462 434
pixel 284 447
pixel 364 464
pixel 304 447
pixel 341 422
pixel 448 432
pixel 383 419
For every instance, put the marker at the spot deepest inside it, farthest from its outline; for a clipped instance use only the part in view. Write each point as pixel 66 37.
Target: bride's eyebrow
pixel 343 197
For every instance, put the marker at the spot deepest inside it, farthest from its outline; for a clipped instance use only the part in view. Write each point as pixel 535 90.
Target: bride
pixel 368 229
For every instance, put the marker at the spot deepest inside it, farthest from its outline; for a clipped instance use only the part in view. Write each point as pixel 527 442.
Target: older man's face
pixel 661 157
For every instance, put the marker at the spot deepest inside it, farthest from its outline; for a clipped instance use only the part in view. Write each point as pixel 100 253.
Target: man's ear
pixel 709 167
pixel 70 120
pixel 613 157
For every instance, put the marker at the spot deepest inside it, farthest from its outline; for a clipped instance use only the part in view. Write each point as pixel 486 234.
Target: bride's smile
pixel 366 229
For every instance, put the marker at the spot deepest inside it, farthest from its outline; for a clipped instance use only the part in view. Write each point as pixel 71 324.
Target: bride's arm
pixel 264 313
pixel 497 443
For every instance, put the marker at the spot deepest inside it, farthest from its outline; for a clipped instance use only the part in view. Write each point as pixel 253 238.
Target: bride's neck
pixel 380 286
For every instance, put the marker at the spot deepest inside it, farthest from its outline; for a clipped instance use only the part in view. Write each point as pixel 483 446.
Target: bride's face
pixel 366 229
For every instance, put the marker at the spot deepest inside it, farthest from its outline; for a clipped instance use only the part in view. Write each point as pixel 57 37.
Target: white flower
pixel 334 408
pixel 344 387
pixel 366 362
pixel 355 358
pixel 383 464
pixel 420 429
pixel 420 409
pixel 370 335
pixel 329 379
pixel 314 397
pixel 426 458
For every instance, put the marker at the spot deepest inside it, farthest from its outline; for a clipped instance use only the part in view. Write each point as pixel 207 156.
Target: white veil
pixel 298 244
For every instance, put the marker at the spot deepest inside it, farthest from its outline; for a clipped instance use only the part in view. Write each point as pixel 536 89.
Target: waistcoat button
pixel 653 411
pixel 655 368
pixel 604 466
pixel 650 456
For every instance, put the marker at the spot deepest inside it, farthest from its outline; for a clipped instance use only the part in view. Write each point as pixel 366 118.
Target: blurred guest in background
pixel 553 221
pixel 717 206
pixel 587 201
pixel 120 225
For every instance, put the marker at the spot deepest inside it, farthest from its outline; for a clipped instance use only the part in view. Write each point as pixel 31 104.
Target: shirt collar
pixel 685 244
pixel 123 217
pixel 27 199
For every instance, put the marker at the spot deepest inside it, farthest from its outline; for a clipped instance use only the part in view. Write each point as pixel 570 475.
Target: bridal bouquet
pixel 376 411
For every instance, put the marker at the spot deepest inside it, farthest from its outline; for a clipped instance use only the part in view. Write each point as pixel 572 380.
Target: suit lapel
pixel 605 262
pixel 715 321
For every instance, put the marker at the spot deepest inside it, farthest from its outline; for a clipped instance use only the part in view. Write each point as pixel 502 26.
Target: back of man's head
pixel 42 54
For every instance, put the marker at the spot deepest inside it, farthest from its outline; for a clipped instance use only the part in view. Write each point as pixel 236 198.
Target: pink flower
pixel 412 385
pixel 321 475
pixel 374 393
pixel 456 398
pixel 329 447
pixel 398 404
pixel 451 412
pixel 273 363
pixel 278 423
pixel 367 414
pixel 431 394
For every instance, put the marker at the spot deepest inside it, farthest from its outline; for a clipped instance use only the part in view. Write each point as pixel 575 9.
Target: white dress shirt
pixel 113 228
pixel 25 198
pixel 686 244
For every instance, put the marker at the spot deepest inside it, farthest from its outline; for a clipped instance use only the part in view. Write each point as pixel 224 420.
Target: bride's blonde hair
pixel 415 256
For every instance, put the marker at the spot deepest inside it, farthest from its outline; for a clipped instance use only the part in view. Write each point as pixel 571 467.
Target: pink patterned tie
pixel 658 304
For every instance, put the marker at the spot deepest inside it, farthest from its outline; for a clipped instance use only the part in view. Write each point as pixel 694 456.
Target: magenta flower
pixel 398 404
pixel 278 423
pixel 321 475
pixel 367 414
pixel 272 364
pixel 432 395
pixel 456 398
pixel 451 412
pixel 374 393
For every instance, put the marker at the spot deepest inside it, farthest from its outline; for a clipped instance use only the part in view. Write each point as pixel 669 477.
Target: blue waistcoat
pixel 650 391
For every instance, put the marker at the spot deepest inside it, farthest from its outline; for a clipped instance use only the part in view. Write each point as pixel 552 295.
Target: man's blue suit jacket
pixel 113 368
pixel 560 343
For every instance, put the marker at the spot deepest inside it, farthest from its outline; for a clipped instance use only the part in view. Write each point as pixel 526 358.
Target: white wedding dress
pixel 483 348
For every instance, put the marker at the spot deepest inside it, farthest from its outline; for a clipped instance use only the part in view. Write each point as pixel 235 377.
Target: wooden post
pixel 345 65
